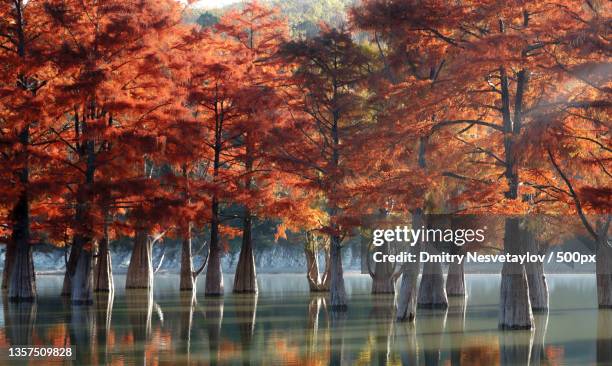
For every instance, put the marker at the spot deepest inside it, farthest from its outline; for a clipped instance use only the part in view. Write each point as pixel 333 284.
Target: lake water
pixel 286 325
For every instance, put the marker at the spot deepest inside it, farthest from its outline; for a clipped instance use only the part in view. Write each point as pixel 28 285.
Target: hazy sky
pixel 213 3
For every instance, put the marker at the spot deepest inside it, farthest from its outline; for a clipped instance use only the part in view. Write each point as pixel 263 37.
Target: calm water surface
pixel 285 325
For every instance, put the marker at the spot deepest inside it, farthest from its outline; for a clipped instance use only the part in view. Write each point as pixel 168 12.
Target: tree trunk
pixel 140 270
pixel 312 268
pixel 603 269
pixel 70 268
pixel 603 266
pixel 245 280
pixel 432 293
pixel 214 272
pixel 515 305
pixel 82 282
pixel 536 278
pixel 316 283
pixel 383 280
pixel 103 281
pixel 9 259
pixel 22 283
pixel 22 286
pixel 538 288
pixel 455 280
pixel 407 303
pixel 337 291
pixel 187 278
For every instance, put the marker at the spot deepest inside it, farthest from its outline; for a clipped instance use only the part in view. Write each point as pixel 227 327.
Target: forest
pixel 130 119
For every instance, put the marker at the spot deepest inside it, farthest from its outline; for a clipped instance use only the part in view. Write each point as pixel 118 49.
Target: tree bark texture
pixel 245 279
pixel 316 282
pixel 82 282
pixel 536 278
pixel 214 272
pixel 455 280
pixel 103 280
pixel 338 300
pixel 187 278
pixel 432 290
pixel 22 280
pixel 515 305
pixel 603 267
pixel 9 259
pixel 140 270
pixel 407 303
pixel 383 279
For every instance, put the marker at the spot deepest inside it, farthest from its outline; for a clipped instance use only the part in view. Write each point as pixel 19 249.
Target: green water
pixel 285 325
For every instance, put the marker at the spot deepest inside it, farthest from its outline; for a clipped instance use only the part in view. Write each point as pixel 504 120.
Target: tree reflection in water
pixel 213 315
pixel 82 333
pixel 139 304
pixel 298 328
pixel 246 313
pixel 317 328
pixel 19 322
pixel 457 306
pixel 604 337
pixel 103 303
pixel 187 303
pixel 538 352
pixel 431 324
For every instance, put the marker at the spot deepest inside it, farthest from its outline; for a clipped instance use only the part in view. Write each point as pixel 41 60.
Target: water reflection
pixel 538 351
pixel 604 337
pixel 82 335
pixel 457 307
pixel 103 306
pixel 213 314
pixel 382 323
pixel 187 306
pixel 291 327
pixel 317 332
pixel 19 321
pixel 246 310
pixel 431 325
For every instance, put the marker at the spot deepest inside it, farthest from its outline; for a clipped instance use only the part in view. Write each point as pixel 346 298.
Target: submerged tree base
pixel 17 299
pixel 338 308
